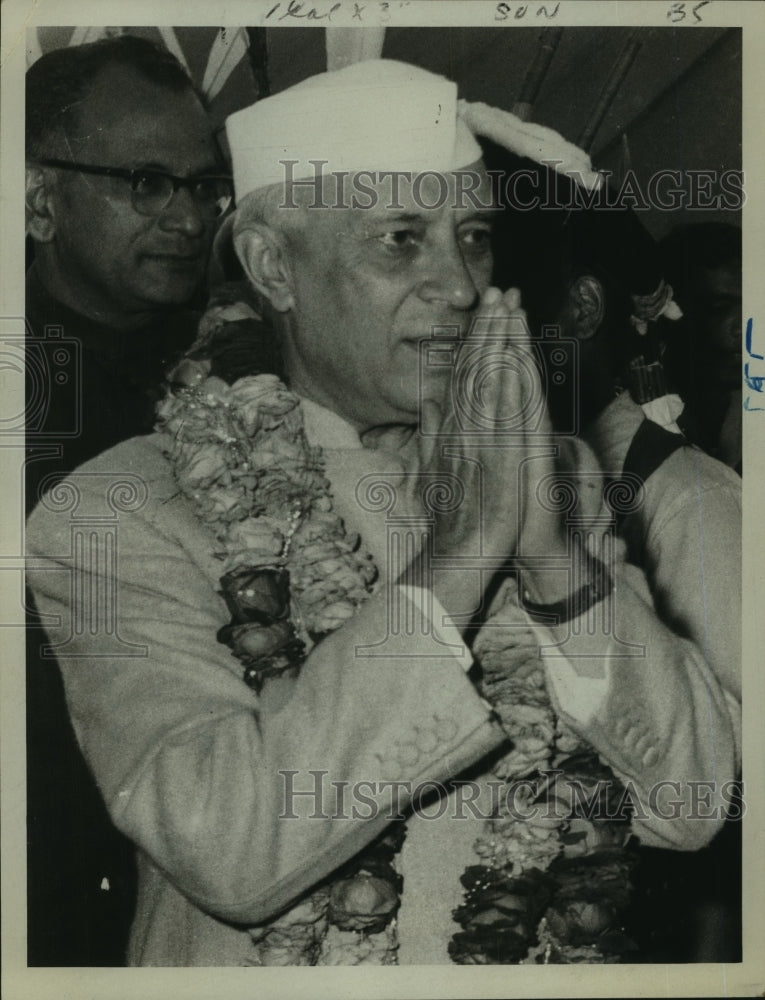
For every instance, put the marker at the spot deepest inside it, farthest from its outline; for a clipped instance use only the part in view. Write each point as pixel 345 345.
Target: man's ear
pixel 40 216
pixel 588 306
pixel 261 253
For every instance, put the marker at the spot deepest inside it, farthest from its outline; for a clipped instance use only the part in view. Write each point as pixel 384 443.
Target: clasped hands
pixel 490 433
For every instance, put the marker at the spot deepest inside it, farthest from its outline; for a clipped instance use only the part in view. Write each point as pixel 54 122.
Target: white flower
pixel 259 396
pixel 255 533
pixel 206 465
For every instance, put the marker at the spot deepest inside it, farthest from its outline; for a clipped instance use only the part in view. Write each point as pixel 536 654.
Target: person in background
pixel 702 262
pixel 124 187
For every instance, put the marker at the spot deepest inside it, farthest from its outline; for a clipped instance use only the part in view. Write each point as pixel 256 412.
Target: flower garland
pixel 548 888
pixel 554 875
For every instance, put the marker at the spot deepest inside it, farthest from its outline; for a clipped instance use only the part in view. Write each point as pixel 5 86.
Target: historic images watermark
pixel 521 190
pixel 312 794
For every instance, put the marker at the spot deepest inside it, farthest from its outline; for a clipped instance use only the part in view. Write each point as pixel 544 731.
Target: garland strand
pixel 555 873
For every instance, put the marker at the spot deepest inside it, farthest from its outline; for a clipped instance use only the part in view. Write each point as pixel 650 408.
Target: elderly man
pixel 122 195
pixel 346 538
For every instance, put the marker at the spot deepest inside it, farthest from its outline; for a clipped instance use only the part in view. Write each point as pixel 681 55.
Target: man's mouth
pixel 438 335
pixel 176 259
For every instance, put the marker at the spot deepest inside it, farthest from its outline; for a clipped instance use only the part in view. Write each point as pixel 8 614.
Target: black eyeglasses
pixel 151 191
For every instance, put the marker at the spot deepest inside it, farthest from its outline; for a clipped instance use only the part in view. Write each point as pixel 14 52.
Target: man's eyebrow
pixel 487 216
pixel 483 214
pixel 213 169
pixel 389 217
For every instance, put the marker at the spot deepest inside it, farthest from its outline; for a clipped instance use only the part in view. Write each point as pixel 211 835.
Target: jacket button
pixel 446 729
pixel 641 741
pixel 622 725
pixel 628 735
pixel 650 756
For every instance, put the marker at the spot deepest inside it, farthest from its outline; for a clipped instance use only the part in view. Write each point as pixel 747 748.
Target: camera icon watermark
pixel 49 366
pixel 540 368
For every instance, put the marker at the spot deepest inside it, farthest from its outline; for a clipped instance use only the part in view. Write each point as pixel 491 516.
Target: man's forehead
pixel 126 115
pixel 368 196
pixel 132 86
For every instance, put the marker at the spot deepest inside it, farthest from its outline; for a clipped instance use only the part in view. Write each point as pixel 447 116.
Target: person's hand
pixel 492 419
pixel 479 440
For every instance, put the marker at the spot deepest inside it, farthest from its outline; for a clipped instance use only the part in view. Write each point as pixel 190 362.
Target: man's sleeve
pixel 651 705
pixel 693 566
pixel 205 776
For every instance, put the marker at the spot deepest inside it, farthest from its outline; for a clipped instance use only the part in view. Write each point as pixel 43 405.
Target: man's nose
pixel 449 282
pixel 182 214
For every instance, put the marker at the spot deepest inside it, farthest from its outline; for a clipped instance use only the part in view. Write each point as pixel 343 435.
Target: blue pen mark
pixel 748 407
pixel 749 351
pixel 754 382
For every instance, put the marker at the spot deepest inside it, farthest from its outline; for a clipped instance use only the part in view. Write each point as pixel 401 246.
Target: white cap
pixel 374 115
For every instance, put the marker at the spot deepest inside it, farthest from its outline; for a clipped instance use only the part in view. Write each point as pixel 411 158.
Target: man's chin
pixel 171 284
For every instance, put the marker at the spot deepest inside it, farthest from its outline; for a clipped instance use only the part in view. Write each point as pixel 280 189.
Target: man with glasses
pixel 124 187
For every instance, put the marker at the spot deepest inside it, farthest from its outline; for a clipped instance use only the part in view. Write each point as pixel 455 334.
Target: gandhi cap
pixel 377 115
pixel 381 115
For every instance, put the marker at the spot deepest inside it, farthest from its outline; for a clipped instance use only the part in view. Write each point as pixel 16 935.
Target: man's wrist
pixel 454 590
pixel 546 568
pixel 553 598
